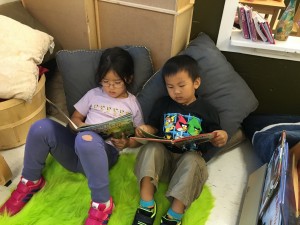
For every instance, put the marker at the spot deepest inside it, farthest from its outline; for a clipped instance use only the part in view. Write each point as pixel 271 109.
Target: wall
pixel 276 83
pixel 6 1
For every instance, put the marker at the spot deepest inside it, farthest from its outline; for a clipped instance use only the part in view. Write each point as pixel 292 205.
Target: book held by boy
pixel 200 138
pixel 112 128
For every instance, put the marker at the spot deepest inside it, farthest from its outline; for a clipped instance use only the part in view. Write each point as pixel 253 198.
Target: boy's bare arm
pixel 220 139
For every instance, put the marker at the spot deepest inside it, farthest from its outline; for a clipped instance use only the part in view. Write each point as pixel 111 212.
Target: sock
pixel 24 181
pixel 95 205
pixel 147 204
pixel 174 215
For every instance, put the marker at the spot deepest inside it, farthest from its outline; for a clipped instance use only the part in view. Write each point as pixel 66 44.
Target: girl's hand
pixel 147 128
pixel 120 143
pixel 220 139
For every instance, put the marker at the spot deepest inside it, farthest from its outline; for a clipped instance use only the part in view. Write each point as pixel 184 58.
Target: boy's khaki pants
pixel 186 173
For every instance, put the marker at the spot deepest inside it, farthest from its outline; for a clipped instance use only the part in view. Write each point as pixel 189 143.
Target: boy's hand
pixel 120 143
pixel 220 139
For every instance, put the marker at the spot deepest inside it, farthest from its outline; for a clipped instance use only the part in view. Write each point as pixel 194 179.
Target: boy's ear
pixel 129 80
pixel 197 83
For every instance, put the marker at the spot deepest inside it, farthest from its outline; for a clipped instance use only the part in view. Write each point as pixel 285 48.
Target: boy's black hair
pixel 118 60
pixel 181 63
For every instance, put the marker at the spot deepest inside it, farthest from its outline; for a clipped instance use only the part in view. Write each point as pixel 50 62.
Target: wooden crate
pixel 161 26
pixel 16 117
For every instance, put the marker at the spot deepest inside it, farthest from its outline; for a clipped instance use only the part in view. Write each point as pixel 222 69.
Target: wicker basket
pixel 16 117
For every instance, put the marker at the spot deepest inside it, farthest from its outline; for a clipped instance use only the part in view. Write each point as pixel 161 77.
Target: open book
pixel 112 128
pixel 200 138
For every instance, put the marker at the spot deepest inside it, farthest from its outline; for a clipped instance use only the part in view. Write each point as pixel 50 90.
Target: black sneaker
pixel 144 216
pixel 165 220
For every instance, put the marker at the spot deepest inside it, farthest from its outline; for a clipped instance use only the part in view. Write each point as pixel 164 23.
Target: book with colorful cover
pixel 182 131
pixel 272 214
pixel 200 138
pixel 112 128
pixel 285 186
pixel 289 188
pixel 273 175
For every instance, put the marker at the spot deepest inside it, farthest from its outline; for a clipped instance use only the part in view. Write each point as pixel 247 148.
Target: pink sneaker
pixel 20 196
pixel 99 215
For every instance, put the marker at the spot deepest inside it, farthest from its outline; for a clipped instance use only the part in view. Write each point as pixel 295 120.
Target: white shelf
pixel 291 45
pixel 232 41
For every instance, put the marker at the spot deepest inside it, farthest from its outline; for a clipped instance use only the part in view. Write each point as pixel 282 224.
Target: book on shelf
pixel 200 138
pixel 243 21
pixel 266 29
pixel 112 128
pixel 250 23
pixel 269 32
pixel 253 25
pixel 257 19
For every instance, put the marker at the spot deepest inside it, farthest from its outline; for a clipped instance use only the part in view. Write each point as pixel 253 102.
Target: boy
pixel 181 113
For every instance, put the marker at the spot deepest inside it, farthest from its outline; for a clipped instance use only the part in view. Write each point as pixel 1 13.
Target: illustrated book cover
pixel 289 188
pixel 112 128
pixel 179 130
pixel 200 138
pixel 273 174
pixel 273 215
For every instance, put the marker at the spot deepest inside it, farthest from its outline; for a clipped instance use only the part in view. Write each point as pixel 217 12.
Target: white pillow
pixel 21 50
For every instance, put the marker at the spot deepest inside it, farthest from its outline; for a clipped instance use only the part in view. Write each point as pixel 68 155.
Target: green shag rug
pixel 65 200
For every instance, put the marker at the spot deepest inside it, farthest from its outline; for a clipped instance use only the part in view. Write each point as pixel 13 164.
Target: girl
pixel 85 152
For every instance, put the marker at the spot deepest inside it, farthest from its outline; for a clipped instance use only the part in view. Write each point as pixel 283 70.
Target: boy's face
pixel 181 88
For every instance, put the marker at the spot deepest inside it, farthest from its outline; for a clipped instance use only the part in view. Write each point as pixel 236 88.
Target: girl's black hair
pixel 118 60
pixel 181 63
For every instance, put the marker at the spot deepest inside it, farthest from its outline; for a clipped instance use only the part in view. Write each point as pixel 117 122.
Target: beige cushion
pixel 16 11
pixel 21 50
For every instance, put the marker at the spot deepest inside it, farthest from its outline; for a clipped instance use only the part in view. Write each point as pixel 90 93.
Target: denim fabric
pixel 265 141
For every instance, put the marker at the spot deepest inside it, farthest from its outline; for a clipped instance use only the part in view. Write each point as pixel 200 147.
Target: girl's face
pixel 181 87
pixel 113 85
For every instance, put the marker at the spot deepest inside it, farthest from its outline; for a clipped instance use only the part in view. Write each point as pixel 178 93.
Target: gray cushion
pixel 78 69
pixel 221 85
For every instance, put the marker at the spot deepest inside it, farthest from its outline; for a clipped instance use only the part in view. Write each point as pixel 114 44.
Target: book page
pixel 59 110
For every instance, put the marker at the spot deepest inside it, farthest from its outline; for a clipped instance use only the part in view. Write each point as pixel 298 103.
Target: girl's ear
pixel 129 80
pixel 197 83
